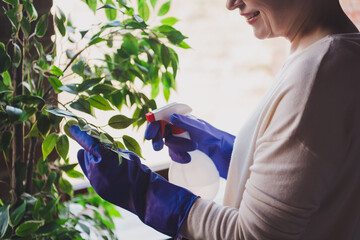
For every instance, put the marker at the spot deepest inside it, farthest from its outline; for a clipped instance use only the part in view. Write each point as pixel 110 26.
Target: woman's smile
pixel 251 17
pixel 273 18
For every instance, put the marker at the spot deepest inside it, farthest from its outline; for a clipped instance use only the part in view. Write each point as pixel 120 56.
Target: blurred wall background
pixel 225 73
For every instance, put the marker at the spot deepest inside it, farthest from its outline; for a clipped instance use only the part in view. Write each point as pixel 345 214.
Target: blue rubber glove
pixel 133 186
pixel 218 145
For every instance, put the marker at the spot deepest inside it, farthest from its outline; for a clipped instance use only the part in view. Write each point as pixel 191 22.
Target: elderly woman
pixel 293 171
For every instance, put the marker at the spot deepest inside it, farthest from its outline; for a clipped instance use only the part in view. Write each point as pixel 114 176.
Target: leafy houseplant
pixel 34 124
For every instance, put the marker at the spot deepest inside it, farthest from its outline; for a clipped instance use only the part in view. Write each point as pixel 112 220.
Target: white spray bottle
pixel 200 175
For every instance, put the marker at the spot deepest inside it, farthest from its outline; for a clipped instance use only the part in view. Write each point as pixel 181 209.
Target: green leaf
pixel 108 6
pixel 1 203
pixel 66 127
pixel 144 11
pixel 68 167
pixel 83 33
pixel 49 144
pixel 25 26
pixel 66 186
pixel 166 92
pixel 17 214
pixel 155 89
pixel 29 227
pixel 12 2
pixel 100 102
pixel 88 83
pixel 167 80
pixel 71 88
pixel 111 210
pixel 49 207
pixel 130 44
pixel 183 45
pixel 34 132
pixel 56 71
pixel 27 113
pixel 153 3
pixel 60 26
pixel 4 58
pixel 59 112
pixel 165 55
pixel 11 15
pixel 39 48
pixel 50 181
pixel 30 9
pixel 104 89
pixel 120 145
pixel 117 99
pixel 62 14
pixel 169 21
pixel 48 228
pixel 85 228
pixel 18 13
pixel 132 145
pixel 13 112
pixel 174 64
pixel 82 105
pixel 122 2
pixel 30 99
pixel 6 79
pixel 120 121
pixel 92 4
pixel 175 37
pixel 42 25
pixel 74 174
pixel 114 23
pixel 96 40
pixel 16 60
pixel 4 219
pixel 43 125
pixel 138 18
pixel 110 12
pixel 165 29
pixel 78 68
pixel 55 83
pixel 35 212
pixel 164 9
pixel 62 146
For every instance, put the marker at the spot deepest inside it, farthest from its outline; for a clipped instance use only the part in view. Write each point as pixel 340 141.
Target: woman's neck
pixel 332 21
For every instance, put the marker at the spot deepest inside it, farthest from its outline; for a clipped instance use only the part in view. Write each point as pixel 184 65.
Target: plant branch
pixel 30 165
pixel 17 143
pixel 7 164
pixel 74 57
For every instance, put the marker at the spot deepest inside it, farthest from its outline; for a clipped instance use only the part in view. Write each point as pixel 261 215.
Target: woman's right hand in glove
pixel 217 144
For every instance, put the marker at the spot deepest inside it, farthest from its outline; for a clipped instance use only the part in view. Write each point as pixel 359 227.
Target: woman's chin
pixel 262 34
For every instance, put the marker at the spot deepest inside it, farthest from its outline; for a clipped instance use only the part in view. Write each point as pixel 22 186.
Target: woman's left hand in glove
pixel 132 185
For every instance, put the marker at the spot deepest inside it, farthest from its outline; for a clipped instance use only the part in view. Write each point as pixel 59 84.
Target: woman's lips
pixel 251 17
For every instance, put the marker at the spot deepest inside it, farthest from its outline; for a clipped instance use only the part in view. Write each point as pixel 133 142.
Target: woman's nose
pixel 233 4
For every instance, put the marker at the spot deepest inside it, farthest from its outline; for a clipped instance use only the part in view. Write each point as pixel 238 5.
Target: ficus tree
pixel 34 124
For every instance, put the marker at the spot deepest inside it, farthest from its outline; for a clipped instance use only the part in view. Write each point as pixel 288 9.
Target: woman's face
pixel 272 18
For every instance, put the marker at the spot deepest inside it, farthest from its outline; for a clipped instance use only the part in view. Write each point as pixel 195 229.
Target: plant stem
pixel 17 143
pixel 30 165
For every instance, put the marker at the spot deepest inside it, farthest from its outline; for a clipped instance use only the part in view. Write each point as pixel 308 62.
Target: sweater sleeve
pixel 286 186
